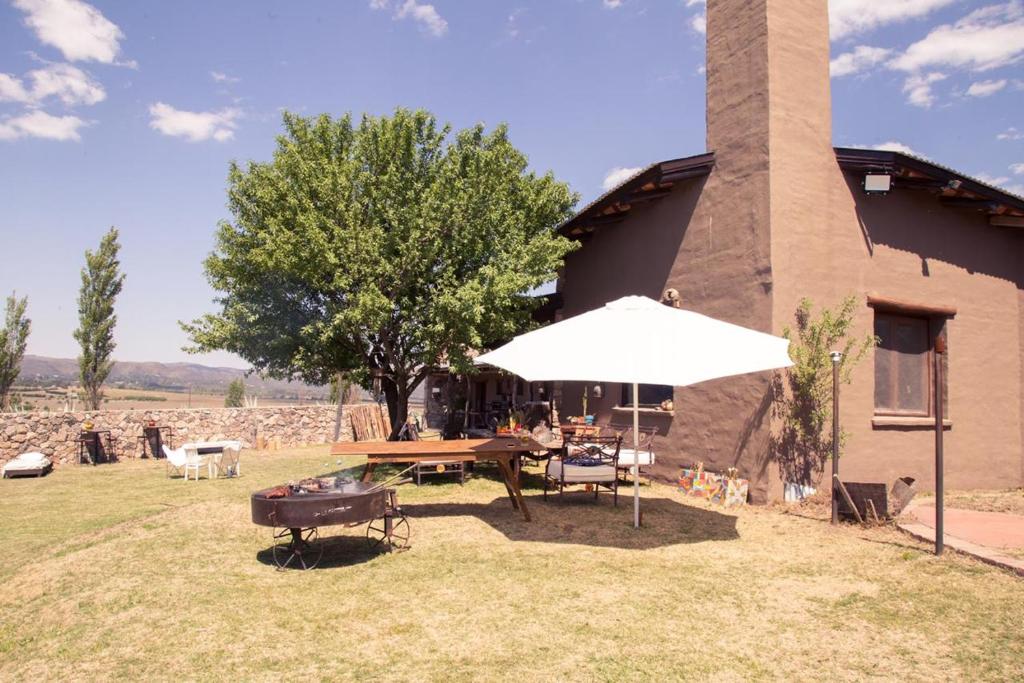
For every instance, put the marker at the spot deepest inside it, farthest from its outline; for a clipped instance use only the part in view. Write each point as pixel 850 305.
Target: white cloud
pixel 985 39
pixel 919 88
pixel 221 77
pixel 39 124
pixel 612 4
pixel 77 29
pixel 1010 133
pixel 896 146
pixel 997 181
pixel 1017 169
pixel 699 22
pixel 986 88
pixel 12 89
pixel 849 17
pixel 194 126
pixel 860 58
pixel 891 146
pixel 618 175
pixel 424 14
pixel 68 83
pixel 1003 182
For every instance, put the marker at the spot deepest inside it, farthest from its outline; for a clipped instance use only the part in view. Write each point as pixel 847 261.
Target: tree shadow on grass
pixel 577 518
pixel 339 551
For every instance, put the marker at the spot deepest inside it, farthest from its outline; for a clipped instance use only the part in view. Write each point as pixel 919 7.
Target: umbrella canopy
pixel 636 340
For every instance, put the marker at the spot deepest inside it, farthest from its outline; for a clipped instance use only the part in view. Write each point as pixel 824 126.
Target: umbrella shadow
pixel 339 551
pixel 575 517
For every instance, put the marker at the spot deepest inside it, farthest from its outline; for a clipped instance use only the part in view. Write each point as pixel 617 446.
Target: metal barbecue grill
pixel 296 511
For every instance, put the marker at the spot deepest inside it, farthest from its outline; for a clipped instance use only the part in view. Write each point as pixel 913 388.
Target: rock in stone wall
pixel 54 434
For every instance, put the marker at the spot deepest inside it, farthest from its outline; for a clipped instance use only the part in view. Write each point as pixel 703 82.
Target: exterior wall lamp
pixel 877 183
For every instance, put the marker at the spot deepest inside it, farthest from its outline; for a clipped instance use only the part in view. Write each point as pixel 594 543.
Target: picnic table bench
pixel 505 451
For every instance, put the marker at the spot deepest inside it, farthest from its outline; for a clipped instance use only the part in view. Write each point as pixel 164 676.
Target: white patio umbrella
pixel 636 340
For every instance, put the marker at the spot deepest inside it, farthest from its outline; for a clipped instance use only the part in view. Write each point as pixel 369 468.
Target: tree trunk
pixel 93 397
pixel 341 403
pixel 396 413
pixel 397 394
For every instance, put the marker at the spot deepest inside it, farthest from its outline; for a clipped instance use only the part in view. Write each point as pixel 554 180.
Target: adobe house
pixel 774 213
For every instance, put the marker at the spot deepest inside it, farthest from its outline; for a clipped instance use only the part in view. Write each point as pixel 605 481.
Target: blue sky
pixel 127 113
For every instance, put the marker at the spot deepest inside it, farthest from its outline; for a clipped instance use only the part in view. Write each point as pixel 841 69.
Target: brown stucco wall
pixel 907 245
pixel 778 220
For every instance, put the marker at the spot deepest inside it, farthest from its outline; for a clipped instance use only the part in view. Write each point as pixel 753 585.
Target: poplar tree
pixel 101 283
pixel 236 394
pixel 13 339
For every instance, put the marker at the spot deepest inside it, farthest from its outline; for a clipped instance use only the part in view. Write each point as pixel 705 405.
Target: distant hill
pixel 43 371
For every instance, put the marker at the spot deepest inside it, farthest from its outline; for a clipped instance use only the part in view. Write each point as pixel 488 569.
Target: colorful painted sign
pixel 715 488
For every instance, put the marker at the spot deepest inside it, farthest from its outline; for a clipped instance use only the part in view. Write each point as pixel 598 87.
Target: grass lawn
pixel 118 572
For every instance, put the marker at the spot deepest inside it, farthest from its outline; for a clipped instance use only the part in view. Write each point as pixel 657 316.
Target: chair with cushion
pixel 31 464
pixel 632 461
pixel 591 461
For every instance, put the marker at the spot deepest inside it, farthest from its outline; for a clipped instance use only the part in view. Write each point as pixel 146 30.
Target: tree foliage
pixel 13 339
pixel 803 400
pixel 378 248
pixel 101 283
pixel 235 397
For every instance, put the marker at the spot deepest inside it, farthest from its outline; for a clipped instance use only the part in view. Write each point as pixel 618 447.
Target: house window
pixel 904 378
pixel 650 395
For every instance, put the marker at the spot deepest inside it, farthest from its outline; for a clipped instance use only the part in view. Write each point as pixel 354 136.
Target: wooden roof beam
pixel 977 204
pixel 1007 221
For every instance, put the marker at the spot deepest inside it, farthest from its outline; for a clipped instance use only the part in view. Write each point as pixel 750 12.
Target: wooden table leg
pixel 513 487
pixel 368 471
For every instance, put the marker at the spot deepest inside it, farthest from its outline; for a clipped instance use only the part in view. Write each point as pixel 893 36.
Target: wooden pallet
pixel 370 422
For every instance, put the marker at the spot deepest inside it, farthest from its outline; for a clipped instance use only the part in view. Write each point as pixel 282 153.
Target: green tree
pixel 803 394
pixel 376 249
pixel 13 339
pixel 101 283
pixel 236 394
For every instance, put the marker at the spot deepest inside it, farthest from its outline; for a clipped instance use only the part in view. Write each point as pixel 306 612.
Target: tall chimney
pixel 769 119
pixel 768 88
pixel 763 213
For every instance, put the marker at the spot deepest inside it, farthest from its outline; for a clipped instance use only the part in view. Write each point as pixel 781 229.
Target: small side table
pixel 154 438
pixel 91 450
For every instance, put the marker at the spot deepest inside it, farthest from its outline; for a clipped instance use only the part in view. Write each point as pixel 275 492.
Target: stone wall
pixel 275 427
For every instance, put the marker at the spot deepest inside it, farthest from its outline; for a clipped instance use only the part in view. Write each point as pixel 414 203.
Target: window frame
pixel 933 328
pixel 626 401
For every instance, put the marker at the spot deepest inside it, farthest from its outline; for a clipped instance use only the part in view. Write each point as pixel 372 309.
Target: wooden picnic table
pixel 503 450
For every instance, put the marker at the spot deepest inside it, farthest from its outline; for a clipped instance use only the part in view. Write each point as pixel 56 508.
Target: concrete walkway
pixel 985 535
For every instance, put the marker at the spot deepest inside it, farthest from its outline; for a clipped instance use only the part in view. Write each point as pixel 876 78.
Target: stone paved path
pixel 985 535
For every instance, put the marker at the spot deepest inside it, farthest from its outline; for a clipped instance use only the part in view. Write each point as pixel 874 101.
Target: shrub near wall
pixel 54 434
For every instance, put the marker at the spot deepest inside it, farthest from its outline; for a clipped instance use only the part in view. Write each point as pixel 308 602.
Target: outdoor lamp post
pixel 940 348
pixel 837 358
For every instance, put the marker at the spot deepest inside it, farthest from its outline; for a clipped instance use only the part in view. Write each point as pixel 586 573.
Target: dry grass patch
pixel 119 572
pixel 1010 501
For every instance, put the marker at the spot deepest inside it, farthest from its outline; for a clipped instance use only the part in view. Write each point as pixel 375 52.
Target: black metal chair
pixel 590 461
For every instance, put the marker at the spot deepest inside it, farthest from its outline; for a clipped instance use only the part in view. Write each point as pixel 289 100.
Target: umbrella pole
pixel 636 455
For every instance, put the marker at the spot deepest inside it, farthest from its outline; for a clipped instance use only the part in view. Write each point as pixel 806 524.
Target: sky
pixel 128 113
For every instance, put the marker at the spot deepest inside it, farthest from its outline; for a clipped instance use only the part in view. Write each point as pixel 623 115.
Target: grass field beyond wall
pixel 118 572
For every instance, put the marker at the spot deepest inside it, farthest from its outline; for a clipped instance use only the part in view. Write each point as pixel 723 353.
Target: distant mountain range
pixel 43 371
